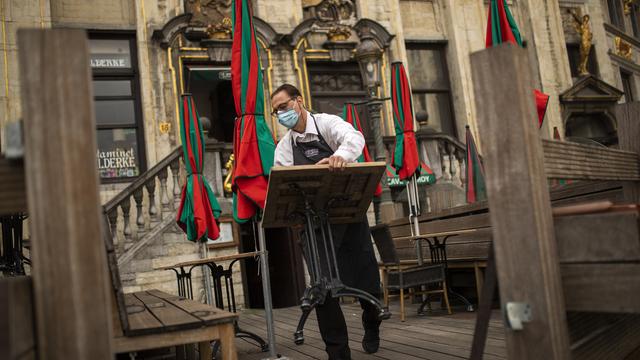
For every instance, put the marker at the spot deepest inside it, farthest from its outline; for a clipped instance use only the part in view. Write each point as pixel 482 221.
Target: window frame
pixel 441 48
pixel 626 77
pixel 615 8
pixel 133 75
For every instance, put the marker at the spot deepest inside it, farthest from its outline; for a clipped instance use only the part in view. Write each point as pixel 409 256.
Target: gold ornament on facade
pixel 627 6
pixel 164 127
pixel 623 48
pixel 583 28
pixel 208 11
pixel 227 179
pixel 339 33
pixel 220 31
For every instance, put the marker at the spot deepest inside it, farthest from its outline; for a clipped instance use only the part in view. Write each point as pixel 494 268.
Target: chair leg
pixel 445 294
pixel 401 304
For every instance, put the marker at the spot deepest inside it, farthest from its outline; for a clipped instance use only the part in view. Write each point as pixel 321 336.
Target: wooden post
pixel 628 117
pixel 520 210
pixel 70 278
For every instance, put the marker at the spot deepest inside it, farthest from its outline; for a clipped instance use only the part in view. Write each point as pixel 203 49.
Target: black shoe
pixel 371 340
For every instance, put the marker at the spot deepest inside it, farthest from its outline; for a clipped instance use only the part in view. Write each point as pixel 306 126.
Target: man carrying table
pixel 327 139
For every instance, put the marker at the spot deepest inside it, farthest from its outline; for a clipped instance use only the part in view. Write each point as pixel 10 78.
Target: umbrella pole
pixel 266 290
pixel 206 273
pixel 414 211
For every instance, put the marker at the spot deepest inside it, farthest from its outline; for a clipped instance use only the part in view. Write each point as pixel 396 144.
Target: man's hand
pixel 334 162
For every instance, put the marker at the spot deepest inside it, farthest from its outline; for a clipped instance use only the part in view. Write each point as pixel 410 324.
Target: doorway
pixel 211 90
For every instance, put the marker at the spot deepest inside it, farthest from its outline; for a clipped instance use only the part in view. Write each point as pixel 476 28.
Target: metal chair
pixel 418 277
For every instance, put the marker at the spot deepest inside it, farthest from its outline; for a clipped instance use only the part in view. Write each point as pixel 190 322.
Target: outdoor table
pixel 185 288
pixel 437 242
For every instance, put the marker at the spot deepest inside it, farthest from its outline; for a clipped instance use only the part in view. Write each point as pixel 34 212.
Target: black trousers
pixel 359 269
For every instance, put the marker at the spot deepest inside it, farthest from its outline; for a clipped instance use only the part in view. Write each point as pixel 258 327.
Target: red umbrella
pixel 405 160
pixel 253 143
pixel 350 115
pixel 198 206
pixel 542 101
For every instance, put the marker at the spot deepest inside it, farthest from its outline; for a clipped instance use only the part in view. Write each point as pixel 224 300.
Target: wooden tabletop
pixel 212 260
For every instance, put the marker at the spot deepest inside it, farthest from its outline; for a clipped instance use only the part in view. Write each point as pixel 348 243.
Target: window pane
pixel 118 153
pixel 114 112
pixel 112 88
pixel 438 106
pixel 109 53
pixel 427 69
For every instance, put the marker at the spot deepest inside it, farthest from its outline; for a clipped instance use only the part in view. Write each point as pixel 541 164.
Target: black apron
pixel 354 251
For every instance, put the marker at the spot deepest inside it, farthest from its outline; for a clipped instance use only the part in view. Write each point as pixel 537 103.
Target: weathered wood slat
pixel 141 320
pixel 70 280
pixel 563 159
pixel 612 237
pixel 17 337
pixel 13 198
pixel 597 334
pixel 171 317
pixel 602 287
pixel 518 194
pixel 629 139
pixel 208 314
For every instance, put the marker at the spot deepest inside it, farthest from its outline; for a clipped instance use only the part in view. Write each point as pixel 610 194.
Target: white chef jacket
pixel 342 138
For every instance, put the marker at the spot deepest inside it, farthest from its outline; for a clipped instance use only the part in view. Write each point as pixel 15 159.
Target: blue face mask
pixel 288 118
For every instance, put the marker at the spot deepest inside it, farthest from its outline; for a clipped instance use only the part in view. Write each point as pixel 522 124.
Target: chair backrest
pixel 384 243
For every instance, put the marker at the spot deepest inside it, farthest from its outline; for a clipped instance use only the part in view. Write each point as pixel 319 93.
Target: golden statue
pixel 627 6
pixel 227 179
pixel 583 28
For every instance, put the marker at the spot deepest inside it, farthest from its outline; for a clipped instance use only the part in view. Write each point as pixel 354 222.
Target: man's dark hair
pixel 291 90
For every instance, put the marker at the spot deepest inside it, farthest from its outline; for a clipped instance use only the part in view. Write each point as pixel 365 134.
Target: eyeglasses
pixel 282 107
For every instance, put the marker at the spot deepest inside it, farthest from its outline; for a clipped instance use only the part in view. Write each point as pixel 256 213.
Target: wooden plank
pixel 13 196
pixel 611 237
pixel 170 338
pixel 17 338
pixel 519 200
pixel 171 317
pixel 614 340
pixel 71 283
pixel 119 311
pixel 140 319
pixel 602 287
pixel 629 139
pixel 208 314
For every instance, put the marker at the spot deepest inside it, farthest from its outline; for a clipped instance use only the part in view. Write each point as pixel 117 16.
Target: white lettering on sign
pixel 117 159
pixel 108 63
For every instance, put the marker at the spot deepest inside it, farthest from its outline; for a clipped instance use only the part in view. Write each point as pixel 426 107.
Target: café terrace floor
pixel 435 336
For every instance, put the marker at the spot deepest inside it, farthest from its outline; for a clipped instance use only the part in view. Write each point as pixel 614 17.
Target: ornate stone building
pixel 145 53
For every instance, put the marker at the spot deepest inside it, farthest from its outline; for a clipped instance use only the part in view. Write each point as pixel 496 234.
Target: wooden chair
pixel 402 279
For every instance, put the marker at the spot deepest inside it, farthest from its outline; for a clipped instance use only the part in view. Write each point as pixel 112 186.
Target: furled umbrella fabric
pixel 501 26
pixel 542 101
pixel 253 143
pixel 198 206
pixel 475 185
pixel 350 115
pixel 405 159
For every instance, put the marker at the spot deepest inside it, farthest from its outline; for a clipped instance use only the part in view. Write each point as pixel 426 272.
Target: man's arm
pixel 350 142
pixel 283 155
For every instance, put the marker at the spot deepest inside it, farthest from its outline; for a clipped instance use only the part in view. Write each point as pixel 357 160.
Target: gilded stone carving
pixel 623 48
